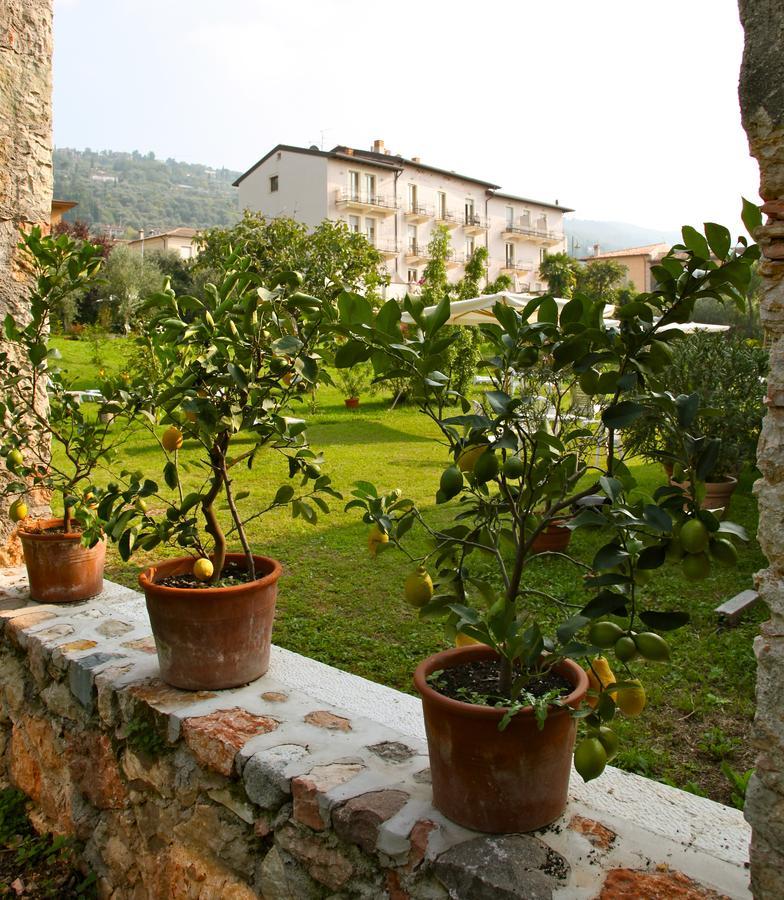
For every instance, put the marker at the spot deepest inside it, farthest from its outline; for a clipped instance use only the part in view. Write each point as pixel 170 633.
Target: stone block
pixel 215 739
pixel 185 874
pixel 322 718
pixel 392 751
pixel 156 773
pixel 419 838
pixel 81 677
pixel 323 861
pixel 15 627
pixel 264 774
pixel 113 628
pixel 359 819
pixel 95 771
pixel 234 803
pixel 274 697
pixel 214 833
pixel 281 877
pixel 631 884
pixel 309 790
pixel 599 835
pixel 501 867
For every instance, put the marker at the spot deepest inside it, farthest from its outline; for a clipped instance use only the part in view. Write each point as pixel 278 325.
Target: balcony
pixel 539 236
pixel 387 249
pixel 418 253
pixel 474 224
pixel 418 212
pixel 449 219
pixel 518 266
pixel 363 202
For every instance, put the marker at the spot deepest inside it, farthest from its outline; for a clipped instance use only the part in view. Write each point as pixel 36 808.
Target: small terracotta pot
pixel 717 493
pixel 490 780
pixel 555 538
pixel 213 637
pixel 59 568
pixel 351 402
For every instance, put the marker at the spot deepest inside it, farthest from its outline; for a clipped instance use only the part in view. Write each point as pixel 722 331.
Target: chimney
pixel 349 151
pixel 596 249
pixel 378 146
pixel 141 234
pixel 416 159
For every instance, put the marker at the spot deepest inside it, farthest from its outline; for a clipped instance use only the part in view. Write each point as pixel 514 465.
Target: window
pixel 469 248
pixel 412 198
pixel 412 238
pixel 370 230
pixel 353 185
pixel 413 276
pixel 273 183
pixel 441 205
pixel 370 188
pixel 525 219
pixel 509 216
pixel 542 254
pixel 353 224
pixel 469 212
pixel 541 223
pixel 510 259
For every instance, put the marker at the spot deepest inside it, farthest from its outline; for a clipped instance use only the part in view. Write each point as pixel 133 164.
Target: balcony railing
pixel 418 211
pixel 420 251
pixel 518 265
pixel 474 221
pixel 449 218
pixel 361 198
pixel 532 232
pixel 387 248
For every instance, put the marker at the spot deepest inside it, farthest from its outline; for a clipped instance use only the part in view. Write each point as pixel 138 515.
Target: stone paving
pixel 308 783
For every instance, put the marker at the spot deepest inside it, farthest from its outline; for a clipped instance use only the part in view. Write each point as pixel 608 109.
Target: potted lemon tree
pixel 53 442
pixel 501 708
pixel 231 365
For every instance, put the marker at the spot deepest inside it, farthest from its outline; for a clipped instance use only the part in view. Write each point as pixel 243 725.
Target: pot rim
pixel 52 523
pixel 458 655
pixel 147 576
pixel 726 480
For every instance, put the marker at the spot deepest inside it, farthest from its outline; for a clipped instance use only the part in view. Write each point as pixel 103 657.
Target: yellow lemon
pixel 419 588
pixel 203 569
pixel 463 640
pixel 469 456
pixel 600 676
pixel 18 510
pixel 631 700
pixel 376 537
pixel 172 439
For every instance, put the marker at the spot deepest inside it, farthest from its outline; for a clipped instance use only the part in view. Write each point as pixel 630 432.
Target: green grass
pixel 338 605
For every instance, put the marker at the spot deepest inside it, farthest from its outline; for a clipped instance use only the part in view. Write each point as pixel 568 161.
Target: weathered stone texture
pixel 25 158
pixel 762 108
pixel 629 884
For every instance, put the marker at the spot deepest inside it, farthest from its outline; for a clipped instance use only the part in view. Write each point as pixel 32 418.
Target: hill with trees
pixel 123 192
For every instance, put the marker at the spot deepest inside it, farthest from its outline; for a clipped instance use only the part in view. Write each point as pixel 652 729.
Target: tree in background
pixel 601 279
pixel 129 279
pixel 559 270
pixel 80 306
pixel 179 270
pixel 434 277
pixel 328 256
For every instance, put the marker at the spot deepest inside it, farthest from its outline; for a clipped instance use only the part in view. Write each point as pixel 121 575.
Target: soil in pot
pixel 554 539
pixel 494 781
pixel 481 677
pixel 59 568
pixel 207 637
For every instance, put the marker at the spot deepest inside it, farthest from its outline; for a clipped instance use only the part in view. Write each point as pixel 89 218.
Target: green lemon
pixel 723 550
pixel 590 758
pixel 419 588
pixel 625 648
pixel 514 467
pixel 609 740
pixel 451 481
pixel 652 646
pixel 14 459
pixel 695 566
pixel 604 634
pixel 694 536
pixel 18 510
pixel 486 467
pixel 469 455
pixel 589 382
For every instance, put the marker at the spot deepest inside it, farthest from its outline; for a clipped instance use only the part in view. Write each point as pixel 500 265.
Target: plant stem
pixel 213 525
pixel 251 566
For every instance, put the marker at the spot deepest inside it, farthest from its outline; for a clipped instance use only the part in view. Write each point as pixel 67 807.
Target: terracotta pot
pixel 214 637
pixel 59 568
pixel 717 493
pixel 668 468
pixel 351 402
pixel 490 780
pixel 555 538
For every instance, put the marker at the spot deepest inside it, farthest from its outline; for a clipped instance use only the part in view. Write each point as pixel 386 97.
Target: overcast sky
pixel 624 110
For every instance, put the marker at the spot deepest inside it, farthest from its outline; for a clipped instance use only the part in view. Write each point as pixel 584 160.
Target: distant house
pixel 637 262
pixel 59 209
pixel 179 240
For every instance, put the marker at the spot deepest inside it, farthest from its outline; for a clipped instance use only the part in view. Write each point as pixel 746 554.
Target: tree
pixel 434 278
pixel 129 279
pixel 601 279
pixel 80 305
pixel 329 256
pixel 171 264
pixel 559 270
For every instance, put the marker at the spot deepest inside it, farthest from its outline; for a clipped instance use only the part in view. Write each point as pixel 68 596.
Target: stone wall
pixel 762 105
pixel 309 783
pixel 25 153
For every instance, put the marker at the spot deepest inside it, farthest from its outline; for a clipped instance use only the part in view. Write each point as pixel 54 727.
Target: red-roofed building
pixel 637 261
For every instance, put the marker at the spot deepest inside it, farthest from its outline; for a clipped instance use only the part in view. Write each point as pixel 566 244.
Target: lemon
pixel 419 588
pixel 141 504
pixel 590 758
pixel 604 634
pixel 376 537
pixel 451 482
pixel 652 646
pixel 14 459
pixel 203 569
pixel 463 640
pixel 609 740
pixel 486 467
pixel 514 467
pixel 625 648
pixel 469 456
pixel 724 551
pixel 18 510
pixel 600 676
pixel 172 439
pixel 695 566
pixel 631 700
pixel 694 536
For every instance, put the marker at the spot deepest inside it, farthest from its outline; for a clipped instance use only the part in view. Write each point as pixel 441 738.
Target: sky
pixel 625 110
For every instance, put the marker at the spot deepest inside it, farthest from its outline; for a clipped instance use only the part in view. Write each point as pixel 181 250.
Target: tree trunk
pixel 762 107
pixel 25 167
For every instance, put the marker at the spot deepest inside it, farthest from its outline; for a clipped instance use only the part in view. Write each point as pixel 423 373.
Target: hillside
pixel 584 233
pixel 123 192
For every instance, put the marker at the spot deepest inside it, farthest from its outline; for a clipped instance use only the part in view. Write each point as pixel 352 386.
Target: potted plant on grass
pixel 501 714
pixel 52 441
pixel 231 362
pixel 354 382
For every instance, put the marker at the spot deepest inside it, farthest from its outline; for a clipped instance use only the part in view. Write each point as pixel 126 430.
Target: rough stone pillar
pixel 25 151
pixel 762 106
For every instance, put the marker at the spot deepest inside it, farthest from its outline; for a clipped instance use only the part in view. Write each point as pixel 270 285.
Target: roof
pixel 505 196
pixel 647 250
pixel 64 204
pixel 175 232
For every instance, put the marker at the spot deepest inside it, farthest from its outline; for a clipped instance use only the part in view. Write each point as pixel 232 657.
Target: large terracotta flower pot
pixel 554 539
pixel 212 638
pixel 490 780
pixel 59 568
pixel 351 402
pixel 717 493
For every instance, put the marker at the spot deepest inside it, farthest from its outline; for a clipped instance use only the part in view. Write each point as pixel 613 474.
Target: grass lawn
pixel 338 605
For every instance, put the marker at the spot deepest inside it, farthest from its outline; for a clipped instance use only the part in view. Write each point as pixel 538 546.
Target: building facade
pixel 637 261
pixel 178 240
pixel 398 202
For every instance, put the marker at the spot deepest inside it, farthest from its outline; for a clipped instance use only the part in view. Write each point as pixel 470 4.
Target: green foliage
pixel 600 280
pixel 355 381
pixel 739 782
pixel 329 258
pixel 129 280
pixel 559 270
pixel 434 277
pixel 143 736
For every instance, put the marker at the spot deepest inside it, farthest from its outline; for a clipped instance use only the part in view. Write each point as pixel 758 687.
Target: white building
pixel 397 203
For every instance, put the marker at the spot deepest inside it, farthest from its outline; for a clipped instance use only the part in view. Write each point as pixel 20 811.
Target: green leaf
pixel 687 408
pixel 436 319
pixel 609 556
pixel 284 494
pixel 695 242
pixel 388 317
pixel 351 353
pixel 719 239
pixel 354 309
pixel 665 621
pixel 548 311
pixel 170 475
pixel 751 216
pixel 604 604
pixel 651 557
pixel 288 345
pixel 621 414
